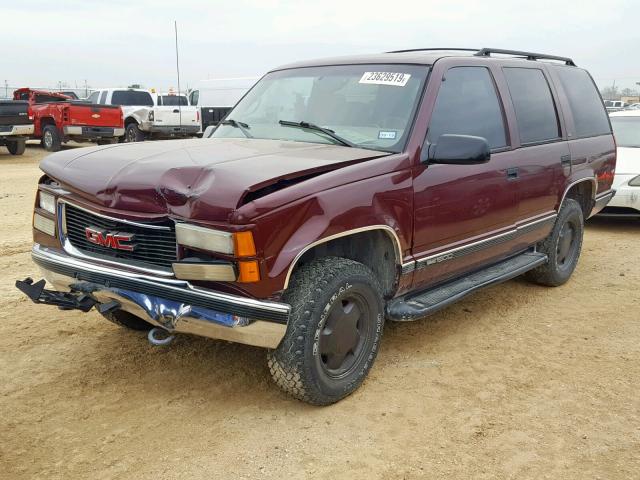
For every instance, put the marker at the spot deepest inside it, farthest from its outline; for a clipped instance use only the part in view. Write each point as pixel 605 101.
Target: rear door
pixel 542 154
pixel 464 213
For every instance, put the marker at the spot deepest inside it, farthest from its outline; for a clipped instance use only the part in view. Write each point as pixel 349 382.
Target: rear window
pixel 173 100
pixel 533 103
pixel 131 97
pixel 49 99
pixel 589 116
pixel 627 131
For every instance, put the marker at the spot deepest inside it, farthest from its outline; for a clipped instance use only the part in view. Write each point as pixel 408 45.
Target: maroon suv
pixel 336 195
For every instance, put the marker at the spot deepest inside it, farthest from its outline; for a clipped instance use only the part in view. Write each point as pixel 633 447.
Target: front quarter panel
pixel 384 200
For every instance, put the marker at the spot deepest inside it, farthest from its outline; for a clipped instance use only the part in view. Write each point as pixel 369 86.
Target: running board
pixel 414 306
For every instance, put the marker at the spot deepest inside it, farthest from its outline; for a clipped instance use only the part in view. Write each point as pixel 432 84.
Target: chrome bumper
pixel 17 130
pixel 174 305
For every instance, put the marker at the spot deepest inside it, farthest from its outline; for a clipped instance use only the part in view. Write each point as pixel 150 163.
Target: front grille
pixel 153 247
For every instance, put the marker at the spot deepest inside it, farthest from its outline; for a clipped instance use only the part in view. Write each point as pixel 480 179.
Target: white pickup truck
pixel 149 115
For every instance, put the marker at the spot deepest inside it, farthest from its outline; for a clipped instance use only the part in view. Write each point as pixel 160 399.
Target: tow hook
pixel 159 337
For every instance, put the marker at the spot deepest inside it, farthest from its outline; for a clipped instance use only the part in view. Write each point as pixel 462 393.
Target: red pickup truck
pixel 59 118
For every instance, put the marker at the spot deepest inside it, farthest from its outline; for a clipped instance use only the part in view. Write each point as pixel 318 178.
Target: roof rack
pixel 434 49
pixel 486 52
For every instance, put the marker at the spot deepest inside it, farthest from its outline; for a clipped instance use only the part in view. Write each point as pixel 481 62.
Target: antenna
pixel 175 25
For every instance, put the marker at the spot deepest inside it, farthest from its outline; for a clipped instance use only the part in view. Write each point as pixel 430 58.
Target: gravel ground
pixel 517 381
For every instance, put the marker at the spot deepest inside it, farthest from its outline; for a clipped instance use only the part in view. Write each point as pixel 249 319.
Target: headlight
pixel 635 182
pixel 204 238
pixel 47 202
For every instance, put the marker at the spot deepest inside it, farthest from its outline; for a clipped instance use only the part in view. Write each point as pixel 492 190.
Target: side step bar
pixel 414 306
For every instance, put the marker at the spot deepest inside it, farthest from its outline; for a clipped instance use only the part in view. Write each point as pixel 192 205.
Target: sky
pixel 118 43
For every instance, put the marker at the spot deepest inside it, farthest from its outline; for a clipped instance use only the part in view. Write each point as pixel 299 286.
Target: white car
pixel 148 115
pixel 626 183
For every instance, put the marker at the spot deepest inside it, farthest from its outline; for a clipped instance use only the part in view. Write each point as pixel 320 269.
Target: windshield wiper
pixel 318 128
pixel 244 128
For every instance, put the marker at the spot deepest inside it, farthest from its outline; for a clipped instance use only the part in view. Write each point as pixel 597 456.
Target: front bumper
pixel 15 130
pixel 169 130
pixel 174 305
pixel 92 132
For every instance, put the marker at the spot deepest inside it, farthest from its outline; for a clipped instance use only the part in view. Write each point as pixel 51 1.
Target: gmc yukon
pixel 337 195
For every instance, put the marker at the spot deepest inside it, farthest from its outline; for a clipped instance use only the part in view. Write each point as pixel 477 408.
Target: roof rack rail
pixel 434 49
pixel 486 52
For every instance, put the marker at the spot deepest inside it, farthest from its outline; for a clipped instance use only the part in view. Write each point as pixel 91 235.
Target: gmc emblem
pixel 110 239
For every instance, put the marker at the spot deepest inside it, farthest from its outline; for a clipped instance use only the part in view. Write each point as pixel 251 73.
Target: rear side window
pixel 103 97
pixel 533 103
pixel 173 100
pixel 589 116
pixel 131 97
pixel 93 98
pixel 467 104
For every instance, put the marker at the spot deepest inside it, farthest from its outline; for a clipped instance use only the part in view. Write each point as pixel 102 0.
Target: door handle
pixel 565 160
pixel 512 173
pixel 175 111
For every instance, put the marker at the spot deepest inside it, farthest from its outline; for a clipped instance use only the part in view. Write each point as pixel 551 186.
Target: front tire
pixel 133 133
pixel 334 331
pixel 51 140
pixel 562 246
pixel 17 147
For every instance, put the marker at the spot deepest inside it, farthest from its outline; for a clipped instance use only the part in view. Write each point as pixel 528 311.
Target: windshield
pixel 627 131
pixel 173 100
pixel 131 97
pixel 369 106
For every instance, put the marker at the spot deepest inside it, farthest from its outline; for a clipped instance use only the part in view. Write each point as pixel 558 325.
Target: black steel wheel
pixel 562 246
pixel 333 333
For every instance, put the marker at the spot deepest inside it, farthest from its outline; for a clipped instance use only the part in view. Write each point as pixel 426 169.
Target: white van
pixel 216 97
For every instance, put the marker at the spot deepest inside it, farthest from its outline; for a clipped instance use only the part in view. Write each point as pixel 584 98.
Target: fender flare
pixel 395 240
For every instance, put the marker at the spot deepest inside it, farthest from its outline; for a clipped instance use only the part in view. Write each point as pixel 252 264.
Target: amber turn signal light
pixel 243 244
pixel 248 271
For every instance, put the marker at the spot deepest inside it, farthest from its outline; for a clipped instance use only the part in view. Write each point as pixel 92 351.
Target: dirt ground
pixel 517 381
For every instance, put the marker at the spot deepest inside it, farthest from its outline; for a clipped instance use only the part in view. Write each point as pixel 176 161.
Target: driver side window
pixel 467 104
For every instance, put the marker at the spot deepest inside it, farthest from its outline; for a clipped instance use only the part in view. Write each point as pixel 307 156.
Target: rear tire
pixel 17 146
pixel 133 133
pixel 562 246
pixel 334 331
pixel 51 140
pixel 127 320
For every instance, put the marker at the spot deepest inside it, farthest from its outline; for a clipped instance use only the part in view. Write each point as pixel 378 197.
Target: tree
pixel 610 93
pixel 627 92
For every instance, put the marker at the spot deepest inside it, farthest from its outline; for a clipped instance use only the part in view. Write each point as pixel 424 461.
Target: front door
pixel 463 213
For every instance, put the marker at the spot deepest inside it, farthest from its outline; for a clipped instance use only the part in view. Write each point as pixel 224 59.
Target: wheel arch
pixel 582 190
pixel 385 266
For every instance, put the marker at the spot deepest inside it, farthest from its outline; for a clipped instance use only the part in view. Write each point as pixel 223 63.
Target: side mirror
pixel 459 150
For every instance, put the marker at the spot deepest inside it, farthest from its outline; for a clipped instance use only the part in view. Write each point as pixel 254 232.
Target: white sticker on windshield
pixel 390 135
pixel 385 78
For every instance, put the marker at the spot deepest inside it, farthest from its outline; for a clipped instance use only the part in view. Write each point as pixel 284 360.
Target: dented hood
pixel 198 179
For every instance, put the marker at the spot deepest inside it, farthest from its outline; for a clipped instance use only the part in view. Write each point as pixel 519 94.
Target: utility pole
pixel 86 89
